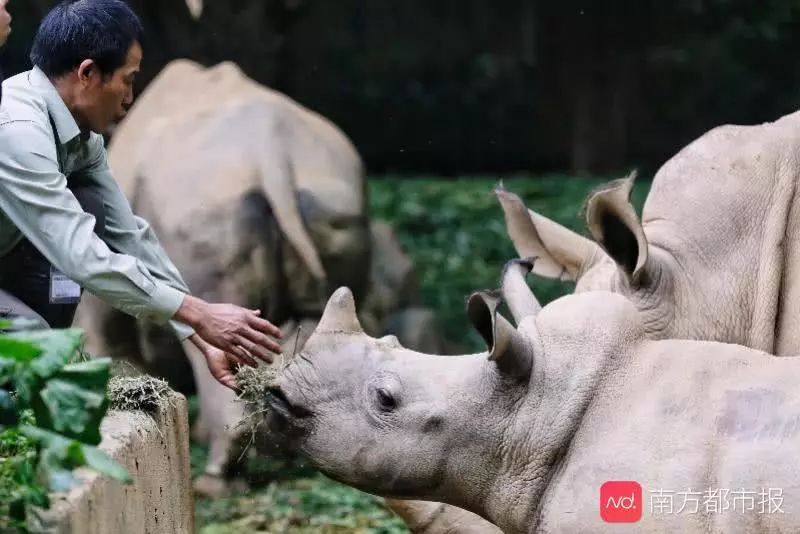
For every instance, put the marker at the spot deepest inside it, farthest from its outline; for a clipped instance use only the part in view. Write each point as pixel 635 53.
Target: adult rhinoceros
pixel 258 201
pixel 527 433
pixel 712 258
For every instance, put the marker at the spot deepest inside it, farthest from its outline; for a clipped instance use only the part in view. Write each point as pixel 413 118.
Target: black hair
pixel 76 30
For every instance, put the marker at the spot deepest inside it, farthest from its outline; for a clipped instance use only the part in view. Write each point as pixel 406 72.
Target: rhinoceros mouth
pixel 280 404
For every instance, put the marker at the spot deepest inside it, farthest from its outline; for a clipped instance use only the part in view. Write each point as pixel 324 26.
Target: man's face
pixel 5 22
pixel 106 99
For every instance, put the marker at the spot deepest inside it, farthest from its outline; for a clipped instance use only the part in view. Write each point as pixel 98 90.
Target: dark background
pixel 475 86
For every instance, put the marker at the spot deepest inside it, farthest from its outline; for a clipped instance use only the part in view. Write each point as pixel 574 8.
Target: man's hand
pixel 232 329
pixel 220 364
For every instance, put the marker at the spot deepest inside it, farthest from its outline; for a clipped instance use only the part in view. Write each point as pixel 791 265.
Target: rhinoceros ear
pixel 506 346
pixel 613 223
pixel 340 314
pixel 561 253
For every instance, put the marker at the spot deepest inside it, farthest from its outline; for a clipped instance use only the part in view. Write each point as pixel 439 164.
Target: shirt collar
pixel 66 127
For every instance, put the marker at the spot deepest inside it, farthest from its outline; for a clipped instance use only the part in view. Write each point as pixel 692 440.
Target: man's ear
pixel 613 223
pixel 87 71
pixel 560 253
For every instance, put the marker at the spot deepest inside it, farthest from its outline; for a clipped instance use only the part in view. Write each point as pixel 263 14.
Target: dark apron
pixel 25 274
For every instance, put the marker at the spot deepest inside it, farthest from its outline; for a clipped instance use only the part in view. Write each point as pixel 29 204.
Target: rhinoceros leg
pixel 220 412
pixel 424 517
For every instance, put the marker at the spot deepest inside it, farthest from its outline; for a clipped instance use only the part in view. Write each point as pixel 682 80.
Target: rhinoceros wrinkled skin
pixel 526 433
pixel 712 258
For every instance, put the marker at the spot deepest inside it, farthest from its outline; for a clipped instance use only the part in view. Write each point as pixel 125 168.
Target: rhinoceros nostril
pixel 278 401
pixel 276 393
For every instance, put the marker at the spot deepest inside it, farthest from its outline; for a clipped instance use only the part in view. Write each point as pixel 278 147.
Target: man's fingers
pixel 248 359
pixel 241 352
pixel 230 382
pixel 236 357
pixel 257 350
pixel 264 343
pixel 262 325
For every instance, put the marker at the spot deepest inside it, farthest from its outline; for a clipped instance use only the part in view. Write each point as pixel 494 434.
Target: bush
pixel 51 407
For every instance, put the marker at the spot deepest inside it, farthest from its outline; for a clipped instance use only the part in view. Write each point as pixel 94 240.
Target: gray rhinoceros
pixel 711 259
pixel 528 433
pixel 257 200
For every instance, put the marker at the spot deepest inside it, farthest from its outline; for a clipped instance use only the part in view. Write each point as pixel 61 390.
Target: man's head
pixel 5 22
pixel 92 50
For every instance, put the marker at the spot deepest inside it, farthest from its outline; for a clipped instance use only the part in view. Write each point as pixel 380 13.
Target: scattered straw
pixel 143 392
pixel 254 384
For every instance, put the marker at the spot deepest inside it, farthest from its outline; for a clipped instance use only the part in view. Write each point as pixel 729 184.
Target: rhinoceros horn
pixel 340 314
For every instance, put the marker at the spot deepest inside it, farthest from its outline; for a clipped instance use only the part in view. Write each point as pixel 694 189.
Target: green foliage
pixel 296 500
pixel 50 414
pixel 455 233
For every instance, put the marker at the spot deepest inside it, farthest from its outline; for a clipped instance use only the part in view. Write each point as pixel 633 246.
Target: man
pixel 64 222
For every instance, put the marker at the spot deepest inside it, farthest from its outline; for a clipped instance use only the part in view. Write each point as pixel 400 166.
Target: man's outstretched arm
pixel 34 196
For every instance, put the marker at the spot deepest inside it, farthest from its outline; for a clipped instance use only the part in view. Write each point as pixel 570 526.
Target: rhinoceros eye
pixel 386 399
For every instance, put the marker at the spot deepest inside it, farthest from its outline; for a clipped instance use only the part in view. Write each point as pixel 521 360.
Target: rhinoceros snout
pixel 281 405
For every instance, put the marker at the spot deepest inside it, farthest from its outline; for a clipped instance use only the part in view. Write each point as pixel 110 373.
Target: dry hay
pixel 253 385
pixel 146 393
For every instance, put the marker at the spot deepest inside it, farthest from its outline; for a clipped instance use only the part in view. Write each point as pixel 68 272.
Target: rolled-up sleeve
pixel 129 234
pixel 34 196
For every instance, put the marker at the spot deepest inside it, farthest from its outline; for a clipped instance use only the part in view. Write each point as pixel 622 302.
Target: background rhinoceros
pixel 527 433
pixel 714 255
pixel 259 202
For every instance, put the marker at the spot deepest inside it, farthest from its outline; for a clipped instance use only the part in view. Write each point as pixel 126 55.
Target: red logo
pixel 621 501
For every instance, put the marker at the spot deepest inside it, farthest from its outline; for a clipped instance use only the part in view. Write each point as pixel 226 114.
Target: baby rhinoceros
pixel 527 433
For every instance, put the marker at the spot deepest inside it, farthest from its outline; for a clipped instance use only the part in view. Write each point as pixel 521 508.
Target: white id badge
pixel 62 289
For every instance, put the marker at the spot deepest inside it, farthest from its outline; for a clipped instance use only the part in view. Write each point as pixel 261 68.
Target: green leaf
pixel 71 410
pixel 58 347
pixel 26 382
pixel 58 456
pixel 91 374
pixel 18 349
pixel 61 454
pixel 103 463
pixel 74 400
pixel 37 496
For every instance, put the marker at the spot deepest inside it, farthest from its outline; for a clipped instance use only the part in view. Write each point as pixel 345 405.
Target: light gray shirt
pixel 128 268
